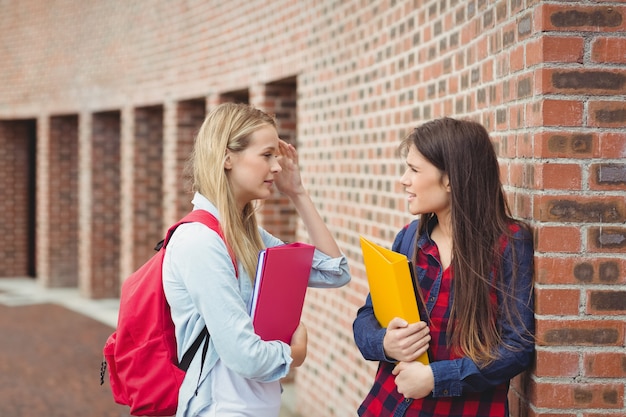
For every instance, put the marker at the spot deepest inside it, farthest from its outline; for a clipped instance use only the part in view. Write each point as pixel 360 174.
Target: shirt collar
pixel 200 202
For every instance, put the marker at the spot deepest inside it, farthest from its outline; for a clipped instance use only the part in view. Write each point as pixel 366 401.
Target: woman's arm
pixel 368 334
pixel 201 287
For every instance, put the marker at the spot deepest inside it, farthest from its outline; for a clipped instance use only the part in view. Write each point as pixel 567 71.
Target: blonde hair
pixel 229 126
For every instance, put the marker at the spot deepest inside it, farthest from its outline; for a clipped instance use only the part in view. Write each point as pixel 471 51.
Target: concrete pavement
pixel 50 351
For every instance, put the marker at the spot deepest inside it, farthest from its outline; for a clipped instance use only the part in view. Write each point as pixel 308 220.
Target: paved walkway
pixel 50 353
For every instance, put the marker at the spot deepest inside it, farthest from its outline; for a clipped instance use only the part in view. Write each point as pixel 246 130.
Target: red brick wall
pixel 147 182
pixel 14 206
pixel 579 209
pixel 63 201
pixel 190 115
pixel 105 205
pixel 546 78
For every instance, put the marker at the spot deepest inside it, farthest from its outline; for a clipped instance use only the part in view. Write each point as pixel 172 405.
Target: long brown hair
pixel 229 126
pixel 480 217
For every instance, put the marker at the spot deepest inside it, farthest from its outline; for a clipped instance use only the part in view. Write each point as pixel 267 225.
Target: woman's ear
pixel 228 160
pixel 446 183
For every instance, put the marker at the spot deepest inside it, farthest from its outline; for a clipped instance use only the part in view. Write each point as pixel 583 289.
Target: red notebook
pixel 279 289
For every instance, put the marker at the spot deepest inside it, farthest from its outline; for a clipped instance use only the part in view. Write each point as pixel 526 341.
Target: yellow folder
pixel 391 285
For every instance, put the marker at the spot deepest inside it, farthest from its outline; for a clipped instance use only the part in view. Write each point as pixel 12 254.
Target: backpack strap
pixel 207 219
pixel 210 221
pixel 191 352
pixel 406 243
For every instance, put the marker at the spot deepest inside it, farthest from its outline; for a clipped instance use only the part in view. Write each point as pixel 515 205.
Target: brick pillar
pixel 63 202
pixel 190 115
pixel 147 183
pixel 105 205
pixel 15 165
pixel 579 209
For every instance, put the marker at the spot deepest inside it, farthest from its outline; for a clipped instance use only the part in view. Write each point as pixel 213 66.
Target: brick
pixel 578 209
pixel 563 239
pixel 520 175
pixel 580 332
pixel 606 302
pixel 560 113
pixel 566 145
pixel 607 114
pixel 605 364
pixel 578 395
pixel 597 82
pixel 551 270
pixel 569 17
pixel 559 49
pixel 521 205
pixel 523 146
pixel 607 239
pixel 558 177
pixel 557 302
pixel 595 270
pixel 612 145
pixel 608 176
pixel 557 364
pixel 606 50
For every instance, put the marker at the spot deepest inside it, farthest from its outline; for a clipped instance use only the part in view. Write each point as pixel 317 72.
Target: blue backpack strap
pixel 405 240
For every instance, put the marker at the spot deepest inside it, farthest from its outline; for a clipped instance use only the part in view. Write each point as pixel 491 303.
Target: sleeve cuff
pixel 447 379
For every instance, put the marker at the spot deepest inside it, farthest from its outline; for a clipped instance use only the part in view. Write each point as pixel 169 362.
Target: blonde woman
pixel 238 158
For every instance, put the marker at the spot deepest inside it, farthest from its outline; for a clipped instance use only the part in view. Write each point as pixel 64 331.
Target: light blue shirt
pixel 202 289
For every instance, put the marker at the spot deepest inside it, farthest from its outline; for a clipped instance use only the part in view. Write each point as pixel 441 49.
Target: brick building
pixel 99 102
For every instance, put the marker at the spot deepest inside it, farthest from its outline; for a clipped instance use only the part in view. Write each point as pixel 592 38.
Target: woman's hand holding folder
pixel 298 345
pixel 414 379
pixel 406 342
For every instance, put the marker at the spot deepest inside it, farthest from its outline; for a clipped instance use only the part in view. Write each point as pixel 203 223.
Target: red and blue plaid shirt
pixel 461 388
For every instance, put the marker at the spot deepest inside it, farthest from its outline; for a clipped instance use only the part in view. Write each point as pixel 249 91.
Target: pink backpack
pixel 144 371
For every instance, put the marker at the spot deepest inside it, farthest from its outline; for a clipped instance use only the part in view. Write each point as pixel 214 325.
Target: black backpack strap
pixel 191 352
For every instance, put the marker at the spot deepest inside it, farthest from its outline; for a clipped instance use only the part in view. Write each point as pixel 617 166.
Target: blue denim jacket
pixel 202 289
pixel 453 377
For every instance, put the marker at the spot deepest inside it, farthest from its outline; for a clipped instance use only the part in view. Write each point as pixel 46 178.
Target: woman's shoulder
pixel 519 236
pixel 519 229
pixel 405 236
pixel 195 236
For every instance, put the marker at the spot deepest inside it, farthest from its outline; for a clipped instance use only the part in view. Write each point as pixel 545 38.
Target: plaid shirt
pixel 461 388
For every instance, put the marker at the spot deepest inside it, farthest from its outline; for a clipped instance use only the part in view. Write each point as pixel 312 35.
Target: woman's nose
pixel 276 167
